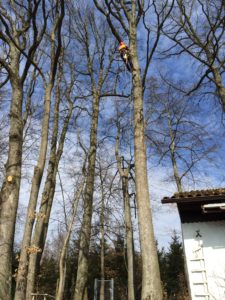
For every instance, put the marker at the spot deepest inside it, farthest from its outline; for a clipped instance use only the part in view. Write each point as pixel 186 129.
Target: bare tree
pixel 197 28
pixel 63 254
pixel 126 15
pixel 55 49
pixel 93 46
pixel 20 35
pixel 57 147
pixel 105 191
pixel 177 132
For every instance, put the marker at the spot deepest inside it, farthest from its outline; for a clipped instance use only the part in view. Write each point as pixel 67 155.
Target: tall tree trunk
pixel 102 221
pixel 175 171
pixel 63 255
pixel 173 158
pixel 129 237
pixel 39 238
pixel 151 283
pixel 31 210
pixel 41 226
pixel 11 186
pixel 85 233
pixel 124 175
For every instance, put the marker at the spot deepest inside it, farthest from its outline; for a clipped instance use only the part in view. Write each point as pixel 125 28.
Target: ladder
pixel 200 283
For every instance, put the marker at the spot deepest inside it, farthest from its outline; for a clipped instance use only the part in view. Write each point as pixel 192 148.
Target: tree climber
pixel 125 55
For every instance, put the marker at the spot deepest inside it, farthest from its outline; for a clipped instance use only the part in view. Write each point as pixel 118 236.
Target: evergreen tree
pixel 172 270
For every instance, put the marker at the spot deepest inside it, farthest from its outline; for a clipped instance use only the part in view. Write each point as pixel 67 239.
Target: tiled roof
pixel 196 194
pixel 190 205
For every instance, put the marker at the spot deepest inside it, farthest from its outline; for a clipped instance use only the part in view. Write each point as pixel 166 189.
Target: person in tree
pixel 125 55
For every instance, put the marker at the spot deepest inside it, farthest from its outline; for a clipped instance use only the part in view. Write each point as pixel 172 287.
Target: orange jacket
pixel 122 46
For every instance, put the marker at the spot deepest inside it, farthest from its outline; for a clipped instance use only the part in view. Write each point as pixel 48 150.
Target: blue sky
pixel 209 174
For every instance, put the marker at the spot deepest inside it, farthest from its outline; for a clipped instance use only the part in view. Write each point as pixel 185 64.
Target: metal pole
pixel 112 289
pixel 95 289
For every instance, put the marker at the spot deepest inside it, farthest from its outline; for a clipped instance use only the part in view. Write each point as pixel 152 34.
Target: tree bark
pixel 124 175
pixel 219 85
pixel 129 238
pixel 173 158
pixel 151 283
pixel 10 189
pixel 88 203
pixel 217 78
pixel 102 254
pixel 175 169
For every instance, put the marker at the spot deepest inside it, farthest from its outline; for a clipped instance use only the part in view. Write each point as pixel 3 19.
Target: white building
pixel 202 215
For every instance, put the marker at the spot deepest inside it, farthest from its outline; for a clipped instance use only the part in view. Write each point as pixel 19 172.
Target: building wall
pixel 204 246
